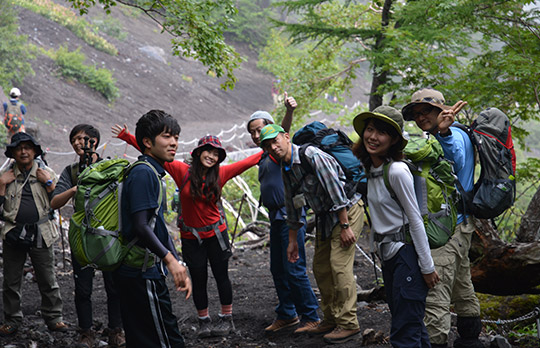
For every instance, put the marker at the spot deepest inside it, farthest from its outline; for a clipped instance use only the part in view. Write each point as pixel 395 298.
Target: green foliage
pixel 15 54
pixel 251 25
pixel 3 135
pixel 232 193
pixel 72 67
pixel 196 33
pixel 64 16
pixel 110 26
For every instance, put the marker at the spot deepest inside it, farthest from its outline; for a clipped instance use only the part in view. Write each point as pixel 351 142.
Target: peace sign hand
pixel 447 117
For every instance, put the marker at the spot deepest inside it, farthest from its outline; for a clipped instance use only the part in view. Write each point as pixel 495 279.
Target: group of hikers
pixel 420 284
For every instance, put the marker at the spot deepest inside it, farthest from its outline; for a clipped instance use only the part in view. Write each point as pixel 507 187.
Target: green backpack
pixel 434 181
pixel 94 230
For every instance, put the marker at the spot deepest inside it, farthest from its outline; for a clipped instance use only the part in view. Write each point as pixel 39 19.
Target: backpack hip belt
pixel 215 227
pixel 39 240
pixel 399 236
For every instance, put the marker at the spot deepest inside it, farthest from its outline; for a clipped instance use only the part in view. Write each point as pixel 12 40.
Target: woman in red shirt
pixel 203 227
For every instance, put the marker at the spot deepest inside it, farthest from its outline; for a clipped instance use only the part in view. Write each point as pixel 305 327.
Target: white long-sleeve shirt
pixel 388 218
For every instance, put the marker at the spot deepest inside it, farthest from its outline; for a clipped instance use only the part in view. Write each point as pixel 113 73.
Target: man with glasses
pixel 428 110
pixel 25 191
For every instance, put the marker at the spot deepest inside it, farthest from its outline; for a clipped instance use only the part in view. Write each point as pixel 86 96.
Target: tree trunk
pixel 379 77
pixel 501 268
pixel 529 230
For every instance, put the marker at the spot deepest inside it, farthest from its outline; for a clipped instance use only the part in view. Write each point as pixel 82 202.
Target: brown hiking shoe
pixel 322 328
pixel 86 340
pixel 279 324
pixel 117 338
pixel 340 335
pixel 305 326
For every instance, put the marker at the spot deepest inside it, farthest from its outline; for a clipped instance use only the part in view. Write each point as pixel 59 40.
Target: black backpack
pixel 495 190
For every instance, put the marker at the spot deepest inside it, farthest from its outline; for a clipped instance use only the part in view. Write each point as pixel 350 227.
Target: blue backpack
pixel 337 144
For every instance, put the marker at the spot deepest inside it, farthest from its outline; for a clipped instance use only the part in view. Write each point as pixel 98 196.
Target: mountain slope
pixel 174 84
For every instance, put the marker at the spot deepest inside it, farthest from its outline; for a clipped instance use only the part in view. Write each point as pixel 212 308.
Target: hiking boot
pixel 7 330
pixel 305 326
pixel 205 327
pixel 279 324
pixel 224 326
pixel 116 338
pixel 86 339
pixel 58 327
pixel 340 335
pixel 322 328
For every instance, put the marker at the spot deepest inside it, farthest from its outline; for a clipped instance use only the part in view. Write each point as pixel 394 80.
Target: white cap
pixel 257 115
pixel 14 93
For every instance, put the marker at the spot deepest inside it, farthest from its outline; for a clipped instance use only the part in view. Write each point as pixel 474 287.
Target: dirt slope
pixel 200 106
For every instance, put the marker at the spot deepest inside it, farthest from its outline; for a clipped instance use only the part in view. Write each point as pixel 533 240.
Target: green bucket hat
pixel 384 113
pixel 270 131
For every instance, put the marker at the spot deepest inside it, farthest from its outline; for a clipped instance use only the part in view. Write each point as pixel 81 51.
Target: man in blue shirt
pixel 295 295
pixel 144 301
pixel 427 109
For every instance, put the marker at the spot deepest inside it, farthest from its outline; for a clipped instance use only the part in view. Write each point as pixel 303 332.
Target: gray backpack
pixel 495 190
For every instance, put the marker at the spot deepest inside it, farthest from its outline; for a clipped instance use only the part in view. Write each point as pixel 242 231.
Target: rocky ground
pixel 254 302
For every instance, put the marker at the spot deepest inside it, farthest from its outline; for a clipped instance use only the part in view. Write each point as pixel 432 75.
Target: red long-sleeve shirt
pixel 197 212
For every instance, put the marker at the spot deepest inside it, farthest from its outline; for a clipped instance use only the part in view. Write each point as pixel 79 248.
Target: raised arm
pixel 124 134
pixel 290 105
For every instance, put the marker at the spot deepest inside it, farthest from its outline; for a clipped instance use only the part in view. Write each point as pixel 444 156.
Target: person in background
pixel 84 139
pixel 14 112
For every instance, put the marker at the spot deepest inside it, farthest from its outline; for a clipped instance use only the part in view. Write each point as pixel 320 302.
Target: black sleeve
pixel 146 235
pixel 64 182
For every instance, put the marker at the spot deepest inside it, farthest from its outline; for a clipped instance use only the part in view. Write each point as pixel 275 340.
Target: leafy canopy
pixel 482 51
pixel 195 32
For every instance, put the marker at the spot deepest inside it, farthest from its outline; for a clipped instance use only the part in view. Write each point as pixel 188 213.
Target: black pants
pixel 197 256
pixel 84 278
pixel 147 313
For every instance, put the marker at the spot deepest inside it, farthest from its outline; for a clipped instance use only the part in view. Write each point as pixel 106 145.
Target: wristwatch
pixel 345 225
pixel 48 183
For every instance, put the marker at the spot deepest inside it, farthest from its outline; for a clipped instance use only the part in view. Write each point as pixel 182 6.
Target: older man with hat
pixel 25 191
pixel 339 223
pixel 427 108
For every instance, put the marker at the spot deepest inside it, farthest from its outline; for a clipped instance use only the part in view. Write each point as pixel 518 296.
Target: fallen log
pixel 501 268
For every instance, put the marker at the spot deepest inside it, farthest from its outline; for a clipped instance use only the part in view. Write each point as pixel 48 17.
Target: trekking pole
pixel 244 196
pixel 62 237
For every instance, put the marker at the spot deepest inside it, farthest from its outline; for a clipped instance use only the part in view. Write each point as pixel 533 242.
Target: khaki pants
pixel 452 264
pixel 333 269
pixel 43 262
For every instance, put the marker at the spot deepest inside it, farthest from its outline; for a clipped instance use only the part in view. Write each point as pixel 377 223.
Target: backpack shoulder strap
pixel 386 179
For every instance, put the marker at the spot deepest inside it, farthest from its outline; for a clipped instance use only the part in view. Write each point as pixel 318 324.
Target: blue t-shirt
pixel 141 192
pixel 458 148
pixel 272 191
